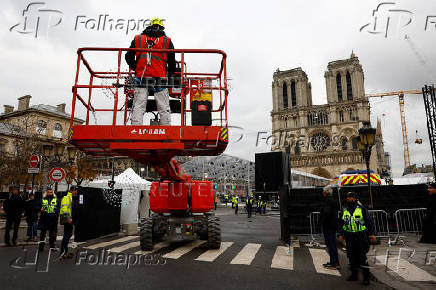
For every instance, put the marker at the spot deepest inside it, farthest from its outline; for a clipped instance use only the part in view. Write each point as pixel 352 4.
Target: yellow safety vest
pixel 66 205
pixel 353 223
pixel 49 207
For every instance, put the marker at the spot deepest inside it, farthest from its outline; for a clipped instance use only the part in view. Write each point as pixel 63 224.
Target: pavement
pixel 251 257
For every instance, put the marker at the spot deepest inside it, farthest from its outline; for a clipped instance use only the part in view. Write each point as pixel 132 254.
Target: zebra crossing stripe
pixel 124 247
pixel 177 253
pixel 246 255
pixel 156 247
pixel 320 257
pixel 283 258
pixel 105 244
pixel 211 255
pixel 407 270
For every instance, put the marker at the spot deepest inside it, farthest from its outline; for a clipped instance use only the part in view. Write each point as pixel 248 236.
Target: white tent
pixel 132 185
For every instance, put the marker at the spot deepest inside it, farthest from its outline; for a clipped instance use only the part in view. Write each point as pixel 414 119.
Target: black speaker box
pixel 271 171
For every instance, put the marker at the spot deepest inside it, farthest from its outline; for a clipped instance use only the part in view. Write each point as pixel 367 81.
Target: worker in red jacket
pixel 150 69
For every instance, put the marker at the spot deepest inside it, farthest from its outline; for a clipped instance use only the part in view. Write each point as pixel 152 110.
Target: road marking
pixel 60 238
pixel 320 257
pixel 156 247
pixel 177 253
pixel 283 258
pixel 211 255
pixel 105 244
pixel 406 270
pixel 124 247
pixel 246 255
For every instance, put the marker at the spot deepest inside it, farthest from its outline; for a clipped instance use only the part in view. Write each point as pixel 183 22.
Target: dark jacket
pixel 329 214
pixel 14 205
pixel 171 59
pixel 32 208
pixel 429 224
pixel 49 220
pixel 369 224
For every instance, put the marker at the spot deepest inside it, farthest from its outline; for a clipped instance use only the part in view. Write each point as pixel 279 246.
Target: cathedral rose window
pixel 320 141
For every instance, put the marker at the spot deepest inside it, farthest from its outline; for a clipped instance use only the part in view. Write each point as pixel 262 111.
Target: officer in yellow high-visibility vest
pixel 249 205
pixel 48 220
pixel 356 226
pixel 66 219
pixel 226 198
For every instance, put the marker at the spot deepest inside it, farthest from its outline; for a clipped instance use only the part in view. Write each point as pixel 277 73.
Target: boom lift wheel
pixel 213 232
pixel 146 234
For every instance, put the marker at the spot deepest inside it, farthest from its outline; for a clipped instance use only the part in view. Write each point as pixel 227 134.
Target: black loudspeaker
pixel 98 213
pixel 271 171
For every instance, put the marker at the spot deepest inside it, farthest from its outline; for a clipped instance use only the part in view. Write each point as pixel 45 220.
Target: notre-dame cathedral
pixel 321 137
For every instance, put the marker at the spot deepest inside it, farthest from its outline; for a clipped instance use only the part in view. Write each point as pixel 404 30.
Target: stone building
pixel 321 137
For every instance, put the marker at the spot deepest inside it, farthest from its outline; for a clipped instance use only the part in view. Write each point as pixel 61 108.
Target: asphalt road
pixel 252 244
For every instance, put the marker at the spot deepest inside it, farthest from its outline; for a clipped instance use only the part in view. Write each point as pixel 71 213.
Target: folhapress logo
pixel 36 19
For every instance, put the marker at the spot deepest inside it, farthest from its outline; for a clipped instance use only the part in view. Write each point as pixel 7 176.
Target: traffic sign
pixel 32 170
pixel 56 174
pixel 34 161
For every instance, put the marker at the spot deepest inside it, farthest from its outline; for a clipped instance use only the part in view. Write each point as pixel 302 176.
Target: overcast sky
pixel 258 37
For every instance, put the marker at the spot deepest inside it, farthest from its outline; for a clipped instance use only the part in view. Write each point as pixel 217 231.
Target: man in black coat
pixel 13 207
pixel 49 218
pixel 32 209
pixel 329 223
pixel 429 226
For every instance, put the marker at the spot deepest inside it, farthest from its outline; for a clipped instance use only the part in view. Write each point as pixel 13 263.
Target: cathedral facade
pixel 321 138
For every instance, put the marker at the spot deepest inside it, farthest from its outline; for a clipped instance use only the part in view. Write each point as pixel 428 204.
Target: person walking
pixel 357 227
pixel 328 220
pixel 13 207
pixel 226 198
pixel 67 219
pixel 156 65
pixel 429 225
pixel 216 201
pixel 48 220
pixel 236 203
pixel 249 205
pixel 32 208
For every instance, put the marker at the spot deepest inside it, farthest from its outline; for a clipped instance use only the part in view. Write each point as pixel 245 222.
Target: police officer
pixel 66 219
pixel 249 205
pixel 226 198
pixel 49 218
pixel 233 201
pixel 356 226
pixel 236 203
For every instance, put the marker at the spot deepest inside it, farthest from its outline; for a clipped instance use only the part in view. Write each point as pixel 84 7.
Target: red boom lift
pixel 182 208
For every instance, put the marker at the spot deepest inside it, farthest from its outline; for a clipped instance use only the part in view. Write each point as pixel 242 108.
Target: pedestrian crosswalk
pixel 246 254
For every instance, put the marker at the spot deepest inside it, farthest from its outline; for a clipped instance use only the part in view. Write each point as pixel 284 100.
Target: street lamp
pixel 365 142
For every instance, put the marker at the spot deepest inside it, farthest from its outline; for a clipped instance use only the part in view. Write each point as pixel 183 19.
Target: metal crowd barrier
pixel 408 221
pixel 379 218
pixel 381 224
pixel 316 235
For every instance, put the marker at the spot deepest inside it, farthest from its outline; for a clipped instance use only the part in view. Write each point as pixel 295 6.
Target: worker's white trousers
pixel 140 105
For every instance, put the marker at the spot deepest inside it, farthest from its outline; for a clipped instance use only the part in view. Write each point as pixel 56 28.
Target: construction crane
pixel 400 95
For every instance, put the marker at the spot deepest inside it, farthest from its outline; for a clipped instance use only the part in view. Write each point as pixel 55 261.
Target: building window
pixel 320 142
pixel 297 149
pixel 341 116
pixel 57 131
pixel 318 118
pixel 354 143
pixel 285 95
pixel 349 87
pixel 293 95
pixel 295 122
pixel 344 143
pixel 339 86
pixel 41 127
